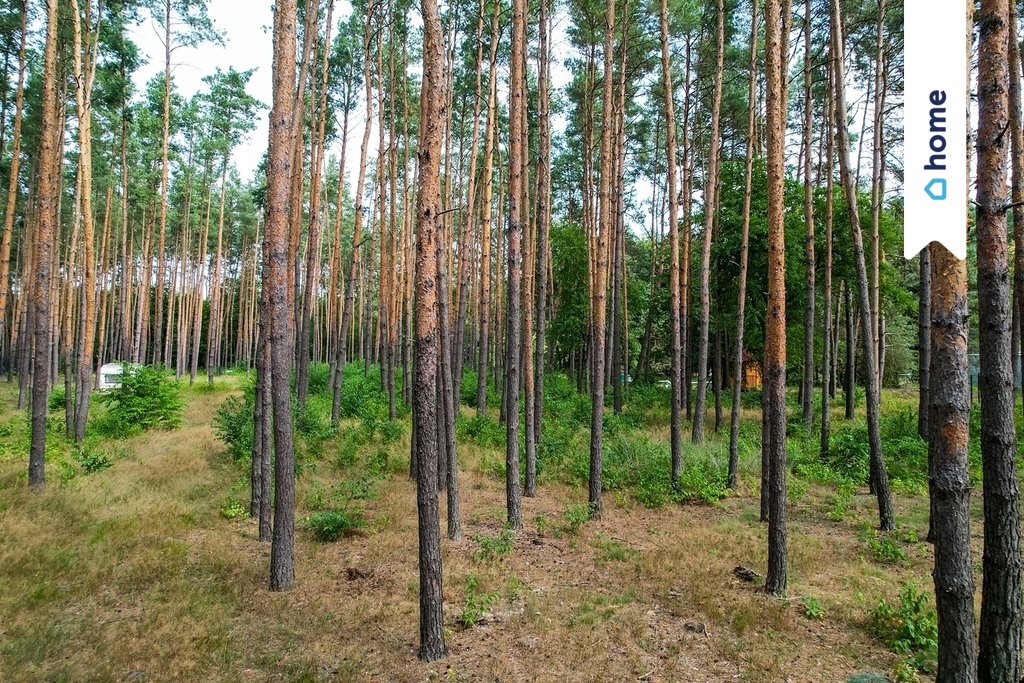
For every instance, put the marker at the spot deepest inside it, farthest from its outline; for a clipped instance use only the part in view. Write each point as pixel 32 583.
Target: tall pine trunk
pixel 278 314
pixel 432 113
pixel 49 170
pixel 808 135
pixel 516 194
pixel 879 475
pixel 675 430
pixel 774 417
pixel 710 208
pixel 1000 632
pixel 737 379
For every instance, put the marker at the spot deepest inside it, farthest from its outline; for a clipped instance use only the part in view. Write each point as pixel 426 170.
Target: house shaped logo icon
pixel 936 189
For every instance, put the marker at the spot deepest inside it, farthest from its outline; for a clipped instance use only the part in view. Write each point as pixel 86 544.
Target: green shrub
pixel 330 525
pixel 481 430
pixel 849 454
pixel 233 424
pixel 562 399
pixel 701 481
pixel 364 488
pixel 232 508
pixel 90 459
pixel 380 464
pixel 574 517
pixel 909 627
pixel 147 398
pixel 56 401
pixel 313 420
pixel 882 547
pixel 621 424
pixel 348 445
pixel 494 547
pixel 751 398
pixel 559 440
pixel 477 604
pixel 66 472
pixel 361 392
pixel 320 379
pixel 812 607
pixel 840 503
pixel 906 454
pixel 390 431
pixel 644 467
pixel 467 390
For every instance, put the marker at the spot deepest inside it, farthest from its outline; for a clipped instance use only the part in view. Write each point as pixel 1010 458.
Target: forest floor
pixel 139 572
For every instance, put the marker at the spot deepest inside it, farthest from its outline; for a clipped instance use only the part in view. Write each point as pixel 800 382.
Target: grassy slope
pixel 133 574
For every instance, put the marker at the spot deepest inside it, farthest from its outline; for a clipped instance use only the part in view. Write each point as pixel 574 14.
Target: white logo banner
pixel 935 126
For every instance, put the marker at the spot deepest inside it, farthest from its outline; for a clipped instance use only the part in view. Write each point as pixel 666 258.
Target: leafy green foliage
pixel 494 547
pixel 313 420
pixel 812 607
pixel 477 603
pixel 232 508
pixel 909 627
pixel 574 517
pixel 319 379
pixel 90 459
pixel 883 547
pixel 332 524
pixel 643 466
pixel 233 424
pixel 481 430
pixel 147 398
pixel 840 502
pixel 56 401
pixel 361 393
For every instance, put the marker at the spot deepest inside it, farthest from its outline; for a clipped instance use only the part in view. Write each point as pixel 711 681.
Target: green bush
pixel 909 627
pixel 494 547
pixel 57 395
pixel 812 607
pixel 849 454
pixel 751 398
pixel 361 393
pixel 840 503
pixel 232 508
pixel 481 430
pixel 147 398
pixel 906 454
pixel 562 399
pixel 882 547
pixel 574 517
pixel 622 423
pixel 559 440
pixel 467 390
pixel 313 420
pixel 233 424
pixel 477 604
pixel 320 379
pixel 330 525
pixel 90 459
pixel 644 467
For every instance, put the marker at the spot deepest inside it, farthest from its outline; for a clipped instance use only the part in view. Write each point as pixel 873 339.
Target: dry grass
pixel 133 574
